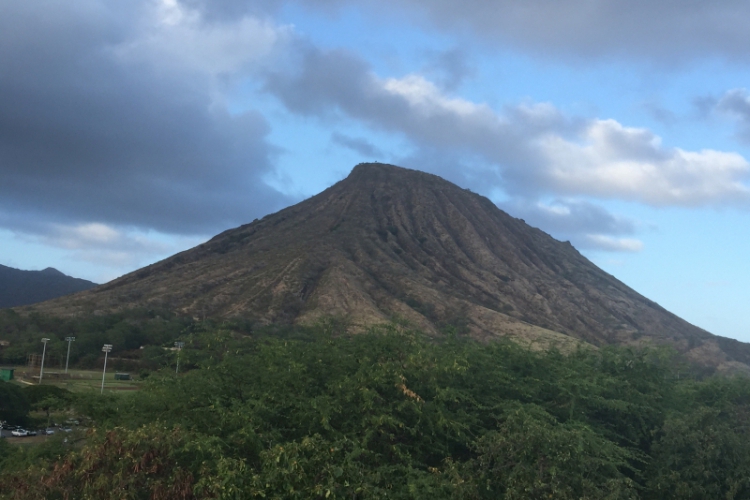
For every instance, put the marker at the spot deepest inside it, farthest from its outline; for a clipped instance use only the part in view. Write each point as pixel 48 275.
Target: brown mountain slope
pixel 389 242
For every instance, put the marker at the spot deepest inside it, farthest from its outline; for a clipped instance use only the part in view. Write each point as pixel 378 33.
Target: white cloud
pixel 613 161
pixel 83 235
pixel 425 97
pixel 179 37
pixel 105 245
pixel 537 149
pixel 609 243
pixel 604 159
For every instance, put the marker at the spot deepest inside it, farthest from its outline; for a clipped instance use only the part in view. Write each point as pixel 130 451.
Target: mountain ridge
pixel 19 287
pixel 388 242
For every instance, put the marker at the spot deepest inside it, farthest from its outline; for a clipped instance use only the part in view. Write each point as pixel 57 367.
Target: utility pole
pixel 68 340
pixel 179 346
pixel 107 349
pixel 44 351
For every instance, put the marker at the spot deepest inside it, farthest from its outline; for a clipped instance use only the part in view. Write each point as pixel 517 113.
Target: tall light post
pixel 179 346
pixel 107 349
pixel 68 340
pixel 44 351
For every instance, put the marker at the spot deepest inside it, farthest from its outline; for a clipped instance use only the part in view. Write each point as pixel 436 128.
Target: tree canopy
pixel 314 413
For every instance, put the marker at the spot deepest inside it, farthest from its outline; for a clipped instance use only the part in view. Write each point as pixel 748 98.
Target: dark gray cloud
pixel 449 69
pixel 660 113
pixel 90 134
pixel 704 106
pixel 668 31
pixel 357 144
pixel 735 103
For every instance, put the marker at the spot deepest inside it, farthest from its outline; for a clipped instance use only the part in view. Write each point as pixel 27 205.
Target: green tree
pixel 532 456
pixel 14 407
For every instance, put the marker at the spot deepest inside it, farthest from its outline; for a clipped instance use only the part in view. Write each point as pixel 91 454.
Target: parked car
pixel 49 431
pixel 20 433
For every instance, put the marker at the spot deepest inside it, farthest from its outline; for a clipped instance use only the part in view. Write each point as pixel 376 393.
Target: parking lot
pixel 40 433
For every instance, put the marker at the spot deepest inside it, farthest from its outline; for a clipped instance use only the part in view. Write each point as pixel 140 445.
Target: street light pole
pixel 179 346
pixel 107 349
pixel 44 351
pixel 69 340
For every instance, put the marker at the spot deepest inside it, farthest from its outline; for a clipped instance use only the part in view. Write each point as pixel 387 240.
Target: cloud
pixel 536 149
pixel 608 243
pixel 224 10
pixel 584 224
pixel 660 113
pixel 529 151
pixel 118 118
pixel 450 68
pixel 357 144
pixel 736 104
pixel 176 37
pixel 570 217
pixel 614 161
pixel 118 250
pixel 667 31
pixel 104 117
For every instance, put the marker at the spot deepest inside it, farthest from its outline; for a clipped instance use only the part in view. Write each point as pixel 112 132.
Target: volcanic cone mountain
pixel 388 242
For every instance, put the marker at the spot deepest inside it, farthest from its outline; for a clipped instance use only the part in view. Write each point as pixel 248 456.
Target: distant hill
pixel 388 242
pixel 19 288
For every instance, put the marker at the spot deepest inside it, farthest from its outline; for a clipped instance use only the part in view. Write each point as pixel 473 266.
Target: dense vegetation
pixel 313 413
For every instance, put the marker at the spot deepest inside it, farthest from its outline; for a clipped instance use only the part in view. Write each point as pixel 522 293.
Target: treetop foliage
pixel 305 413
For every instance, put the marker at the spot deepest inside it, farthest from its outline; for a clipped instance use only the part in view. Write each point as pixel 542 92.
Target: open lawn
pixel 76 380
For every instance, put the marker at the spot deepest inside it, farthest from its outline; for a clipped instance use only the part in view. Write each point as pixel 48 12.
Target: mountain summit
pixel 387 242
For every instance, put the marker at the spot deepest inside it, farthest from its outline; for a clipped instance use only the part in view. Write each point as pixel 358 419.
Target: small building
pixel 6 374
pixel 122 376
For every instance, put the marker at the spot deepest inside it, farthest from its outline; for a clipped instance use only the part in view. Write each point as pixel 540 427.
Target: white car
pixel 20 433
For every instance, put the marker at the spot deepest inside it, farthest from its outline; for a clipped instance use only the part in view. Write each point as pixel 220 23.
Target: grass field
pixel 78 380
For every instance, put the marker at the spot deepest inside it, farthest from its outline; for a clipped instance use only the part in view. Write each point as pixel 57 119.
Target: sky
pixel 134 129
